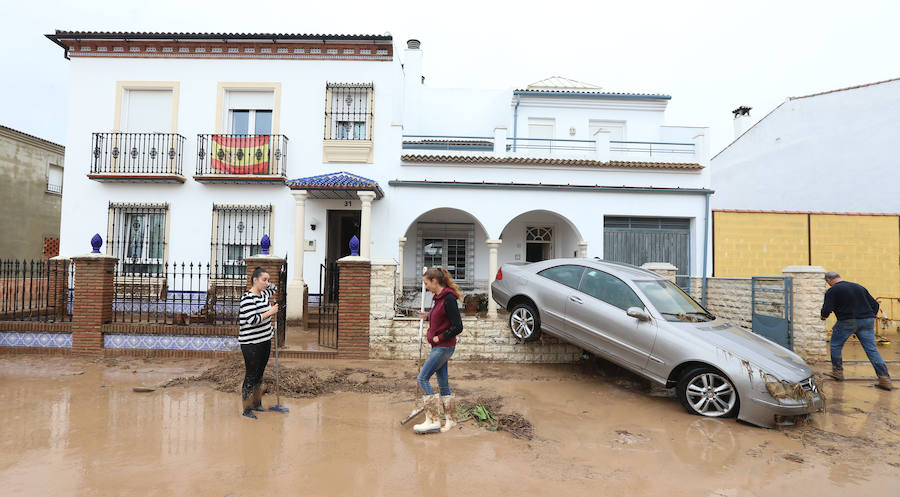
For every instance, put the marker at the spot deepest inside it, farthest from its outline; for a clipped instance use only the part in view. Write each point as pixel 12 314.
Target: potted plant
pixel 471 304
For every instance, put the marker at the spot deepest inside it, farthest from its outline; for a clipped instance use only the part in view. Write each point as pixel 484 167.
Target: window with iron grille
pixel 451 245
pixel 349 111
pixel 237 231
pixel 137 237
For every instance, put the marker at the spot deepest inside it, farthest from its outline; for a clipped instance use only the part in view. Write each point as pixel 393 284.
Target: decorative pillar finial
pixel 354 246
pixel 264 244
pixel 96 242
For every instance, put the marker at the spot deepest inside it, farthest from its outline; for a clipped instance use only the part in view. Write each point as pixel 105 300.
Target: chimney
pixel 741 120
pixel 413 83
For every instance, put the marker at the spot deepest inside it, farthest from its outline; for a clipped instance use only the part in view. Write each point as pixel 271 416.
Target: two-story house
pixel 181 146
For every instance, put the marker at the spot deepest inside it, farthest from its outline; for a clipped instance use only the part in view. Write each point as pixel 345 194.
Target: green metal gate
pixel 772 300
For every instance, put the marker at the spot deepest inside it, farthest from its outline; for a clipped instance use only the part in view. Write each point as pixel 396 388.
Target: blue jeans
pixel 436 363
pixel 864 329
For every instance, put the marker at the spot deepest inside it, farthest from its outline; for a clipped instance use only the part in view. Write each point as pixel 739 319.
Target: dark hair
pixel 442 276
pixel 257 273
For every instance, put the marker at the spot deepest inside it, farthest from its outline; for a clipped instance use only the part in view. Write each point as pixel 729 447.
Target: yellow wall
pixel 758 244
pixel 864 249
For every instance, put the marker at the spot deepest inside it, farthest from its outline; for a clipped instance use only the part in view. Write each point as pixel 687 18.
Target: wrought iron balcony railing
pixel 256 156
pixel 127 156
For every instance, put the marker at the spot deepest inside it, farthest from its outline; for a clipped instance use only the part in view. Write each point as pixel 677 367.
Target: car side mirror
pixel 638 313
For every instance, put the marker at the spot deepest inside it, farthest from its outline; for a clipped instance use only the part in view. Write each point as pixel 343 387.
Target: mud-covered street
pixel 74 426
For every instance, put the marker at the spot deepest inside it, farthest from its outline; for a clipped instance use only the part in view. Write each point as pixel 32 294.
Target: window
pixel 245 120
pixel 541 128
pixel 568 275
pixel 609 289
pixel 538 243
pixel 237 231
pixel 249 112
pixel 616 129
pixel 449 245
pixel 54 178
pixel 137 237
pixel 348 111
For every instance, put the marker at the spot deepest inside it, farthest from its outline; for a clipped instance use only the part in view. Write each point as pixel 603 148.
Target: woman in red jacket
pixel 444 323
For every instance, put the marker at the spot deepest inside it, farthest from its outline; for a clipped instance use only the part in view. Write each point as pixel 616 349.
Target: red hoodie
pixel 444 319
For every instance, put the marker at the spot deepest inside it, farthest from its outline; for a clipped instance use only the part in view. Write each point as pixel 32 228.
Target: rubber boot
pixel 449 404
pixel 248 407
pixel 836 374
pixel 257 398
pixel 432 422
pixel 884 383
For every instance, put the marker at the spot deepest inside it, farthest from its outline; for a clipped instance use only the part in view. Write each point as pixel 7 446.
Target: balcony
pixel 136 157
pixel 485 149
pixel 241 159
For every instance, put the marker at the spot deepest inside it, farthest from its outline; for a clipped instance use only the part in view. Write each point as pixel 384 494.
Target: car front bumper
pixel 771 413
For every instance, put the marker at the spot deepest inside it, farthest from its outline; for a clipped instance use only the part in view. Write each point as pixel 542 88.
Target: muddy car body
pixel 643 322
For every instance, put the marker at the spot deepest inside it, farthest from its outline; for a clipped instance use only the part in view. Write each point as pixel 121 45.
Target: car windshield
pixel 672 302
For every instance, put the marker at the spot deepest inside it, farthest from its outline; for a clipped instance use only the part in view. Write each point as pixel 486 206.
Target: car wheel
pixel 705 391
pixel 524 322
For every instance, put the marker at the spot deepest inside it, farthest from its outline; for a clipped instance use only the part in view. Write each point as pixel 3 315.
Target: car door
pixel 552 288
pixel 597 314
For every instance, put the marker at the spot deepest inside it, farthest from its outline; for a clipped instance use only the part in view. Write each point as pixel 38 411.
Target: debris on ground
pixel 143 389
pixel 797 458
pixel 486 413
pixel 295 382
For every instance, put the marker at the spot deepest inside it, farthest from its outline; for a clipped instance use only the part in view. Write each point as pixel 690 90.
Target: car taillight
pixel 499 274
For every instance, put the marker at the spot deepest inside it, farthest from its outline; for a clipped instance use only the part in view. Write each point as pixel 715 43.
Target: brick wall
pixel 483 339
pixel 92 307
pixel 353 307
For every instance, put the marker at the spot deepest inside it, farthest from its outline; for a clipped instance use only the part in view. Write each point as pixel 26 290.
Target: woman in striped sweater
pixel 255 318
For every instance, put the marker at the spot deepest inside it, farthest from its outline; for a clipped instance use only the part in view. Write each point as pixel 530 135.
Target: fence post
pixel 58 286
pixel 272 265
pixel 809 330
pixel 354 299
pixel 92 307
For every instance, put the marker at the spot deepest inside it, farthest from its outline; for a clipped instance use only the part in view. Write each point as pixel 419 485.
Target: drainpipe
pixel 705 246
pixel 516 121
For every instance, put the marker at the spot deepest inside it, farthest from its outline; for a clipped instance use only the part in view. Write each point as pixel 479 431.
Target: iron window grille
pixel 449 245
pixel 237 230
pixel 349 111
pixel 137 237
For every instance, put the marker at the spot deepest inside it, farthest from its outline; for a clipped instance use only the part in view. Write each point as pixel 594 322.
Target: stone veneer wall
pixel 727 298
pixel 483 339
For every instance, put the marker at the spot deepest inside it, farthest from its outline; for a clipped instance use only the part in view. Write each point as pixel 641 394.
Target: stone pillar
pixel 272 265
pixel 354 302
pixel 493 245
pixel 365 229
pixel 810 337
pixel 664 269
pixel 296 303
pixel 399 284
pixel 94 290
pixel 58 274
pixel 582 249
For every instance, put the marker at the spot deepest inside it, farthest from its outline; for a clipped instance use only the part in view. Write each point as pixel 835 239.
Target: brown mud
pixel 74 427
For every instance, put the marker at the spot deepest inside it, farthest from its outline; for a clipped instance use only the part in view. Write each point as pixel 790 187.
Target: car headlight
pixel 803 391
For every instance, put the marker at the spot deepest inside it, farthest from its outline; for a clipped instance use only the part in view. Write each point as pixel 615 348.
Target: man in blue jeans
pixel 855 310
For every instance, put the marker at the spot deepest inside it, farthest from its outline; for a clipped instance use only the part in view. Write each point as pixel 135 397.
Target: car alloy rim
pixel 522 323
pixel 711 395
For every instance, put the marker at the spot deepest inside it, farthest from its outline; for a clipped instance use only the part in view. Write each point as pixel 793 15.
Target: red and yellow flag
pixel 240 155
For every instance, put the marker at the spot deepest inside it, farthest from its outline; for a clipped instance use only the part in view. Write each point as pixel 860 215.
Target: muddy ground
pixel 75 426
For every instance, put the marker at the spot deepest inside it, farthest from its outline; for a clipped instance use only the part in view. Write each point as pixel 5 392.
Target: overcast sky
pixel 711 56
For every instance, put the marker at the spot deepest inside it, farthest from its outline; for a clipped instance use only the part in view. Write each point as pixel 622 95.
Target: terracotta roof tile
pixel 538 161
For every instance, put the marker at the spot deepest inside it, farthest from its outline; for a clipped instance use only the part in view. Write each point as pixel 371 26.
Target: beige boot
pixel 432 422
pixel 837 375
pixel 884 383
pixel 449 402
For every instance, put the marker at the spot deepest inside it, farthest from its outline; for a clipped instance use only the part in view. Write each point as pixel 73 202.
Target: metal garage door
pixel 636 240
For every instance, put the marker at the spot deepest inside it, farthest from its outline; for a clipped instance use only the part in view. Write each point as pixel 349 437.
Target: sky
pixel 710 56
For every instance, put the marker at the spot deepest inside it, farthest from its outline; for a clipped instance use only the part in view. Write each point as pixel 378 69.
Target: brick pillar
pixel 58 283
pixel 664 269
pixel 93 302
pixel 354 293
pixel 810 338
pixel 271 265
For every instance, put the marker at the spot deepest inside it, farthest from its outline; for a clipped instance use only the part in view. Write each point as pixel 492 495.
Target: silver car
pixel 645 323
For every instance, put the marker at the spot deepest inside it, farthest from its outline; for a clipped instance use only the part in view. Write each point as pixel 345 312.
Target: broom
pixel 419 410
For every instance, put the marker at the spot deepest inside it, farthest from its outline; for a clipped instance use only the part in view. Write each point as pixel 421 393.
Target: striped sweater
pixel 255 329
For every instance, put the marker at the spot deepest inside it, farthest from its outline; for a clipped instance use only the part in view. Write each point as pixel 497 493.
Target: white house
pixel 180 147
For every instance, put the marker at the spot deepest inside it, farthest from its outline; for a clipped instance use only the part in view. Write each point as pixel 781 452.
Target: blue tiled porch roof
pixel 335 185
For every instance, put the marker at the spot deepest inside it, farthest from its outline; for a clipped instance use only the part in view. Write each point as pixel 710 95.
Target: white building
pixel 179 148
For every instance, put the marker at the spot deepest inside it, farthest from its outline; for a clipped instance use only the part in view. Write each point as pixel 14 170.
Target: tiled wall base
pixel 170 342
pixel 35 339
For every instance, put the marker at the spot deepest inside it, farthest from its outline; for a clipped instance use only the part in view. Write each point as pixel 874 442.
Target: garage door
pixel 636 240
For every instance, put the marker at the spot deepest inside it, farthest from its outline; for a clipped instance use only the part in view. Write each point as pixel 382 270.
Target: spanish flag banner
pixel 240 155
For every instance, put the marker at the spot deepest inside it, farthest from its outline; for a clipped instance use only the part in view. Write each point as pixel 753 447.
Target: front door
pixel 342 226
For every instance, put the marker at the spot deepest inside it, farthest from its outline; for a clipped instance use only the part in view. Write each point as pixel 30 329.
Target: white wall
pixel 835 152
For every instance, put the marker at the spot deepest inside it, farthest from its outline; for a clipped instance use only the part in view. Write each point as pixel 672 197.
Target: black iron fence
pixel 36 290
pixel 246 155
pixel 136 153
pixel 328 304
pixel 179 294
